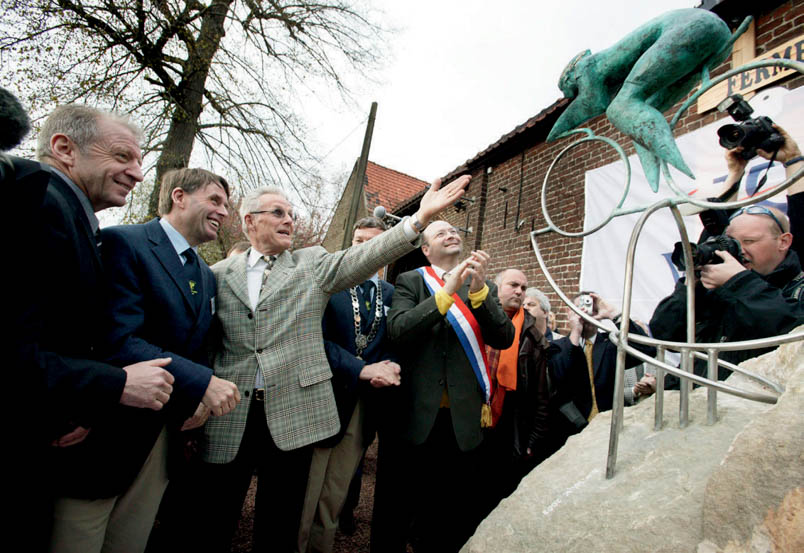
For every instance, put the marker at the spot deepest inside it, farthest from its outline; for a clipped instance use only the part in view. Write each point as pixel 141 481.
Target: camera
pixel 586 303
pixel 748 133
pixel 704 253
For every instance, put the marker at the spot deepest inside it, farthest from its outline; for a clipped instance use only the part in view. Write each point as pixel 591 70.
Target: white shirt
pixel 179 242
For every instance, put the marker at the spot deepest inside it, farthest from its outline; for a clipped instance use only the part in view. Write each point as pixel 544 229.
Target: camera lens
pixel 731 136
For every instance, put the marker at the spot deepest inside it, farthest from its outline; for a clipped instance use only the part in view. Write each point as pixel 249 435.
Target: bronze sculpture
pixel 644 74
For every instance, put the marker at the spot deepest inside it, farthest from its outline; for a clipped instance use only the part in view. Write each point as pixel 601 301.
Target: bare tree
pixel 223 73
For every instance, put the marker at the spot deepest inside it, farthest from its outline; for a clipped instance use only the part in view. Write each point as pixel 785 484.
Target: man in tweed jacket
pixel 270 305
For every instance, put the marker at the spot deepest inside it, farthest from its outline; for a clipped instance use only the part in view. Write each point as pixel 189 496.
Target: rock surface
pixel 737 470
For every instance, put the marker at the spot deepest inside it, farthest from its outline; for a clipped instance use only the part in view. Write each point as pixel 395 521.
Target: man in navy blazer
pixel 161 302
pixel 363 368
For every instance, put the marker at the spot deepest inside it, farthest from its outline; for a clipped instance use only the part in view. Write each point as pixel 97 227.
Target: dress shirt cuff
pixel 477 298
pixel 410 232
pixel 443 301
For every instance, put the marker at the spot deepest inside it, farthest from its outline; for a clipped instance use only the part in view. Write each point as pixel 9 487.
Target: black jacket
pixel 527 407
pixel 746 307
pixel 571 375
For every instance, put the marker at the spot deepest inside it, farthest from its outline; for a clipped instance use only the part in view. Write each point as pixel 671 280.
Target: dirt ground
pixel 357 543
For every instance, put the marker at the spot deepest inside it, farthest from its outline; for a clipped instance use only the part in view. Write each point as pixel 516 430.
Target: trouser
pixel 331 472
pixel 445 490
pixel 281 484
pixel 118 524
pixel 390 520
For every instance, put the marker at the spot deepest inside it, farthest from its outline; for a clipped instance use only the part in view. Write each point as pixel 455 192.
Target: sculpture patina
pixel 640 77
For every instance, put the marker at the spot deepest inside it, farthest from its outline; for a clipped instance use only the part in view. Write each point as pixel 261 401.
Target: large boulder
pixel 701 488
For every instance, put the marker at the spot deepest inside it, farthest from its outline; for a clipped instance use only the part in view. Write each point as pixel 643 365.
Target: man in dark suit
pixel 162 300
pixel 360 359
pixel 446 386
pixel 92 160
pixel 584 357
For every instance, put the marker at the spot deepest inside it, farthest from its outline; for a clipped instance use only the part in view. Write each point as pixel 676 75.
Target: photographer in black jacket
pixel 762 297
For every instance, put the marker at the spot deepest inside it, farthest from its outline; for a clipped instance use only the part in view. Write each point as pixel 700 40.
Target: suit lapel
pixel 78 210
pixel 207 290
pixel 169 259
pixel 237 280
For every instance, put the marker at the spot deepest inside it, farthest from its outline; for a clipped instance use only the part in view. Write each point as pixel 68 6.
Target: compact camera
pixel 586 303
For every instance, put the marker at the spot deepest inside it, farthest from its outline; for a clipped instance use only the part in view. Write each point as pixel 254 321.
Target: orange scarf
pixel 505 374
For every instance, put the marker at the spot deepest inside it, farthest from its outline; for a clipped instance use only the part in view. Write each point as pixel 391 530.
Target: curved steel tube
pixel 755 396
pixel 689 349
pixel 589 138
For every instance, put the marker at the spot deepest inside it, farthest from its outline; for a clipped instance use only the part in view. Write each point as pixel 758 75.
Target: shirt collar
pixel 179 242
pixel 439 271
pixel 254 257
pixel 82 198
pixel 591 339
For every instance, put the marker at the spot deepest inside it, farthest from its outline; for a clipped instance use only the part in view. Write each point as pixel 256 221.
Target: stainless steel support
pixel 711 393
pixel 658 414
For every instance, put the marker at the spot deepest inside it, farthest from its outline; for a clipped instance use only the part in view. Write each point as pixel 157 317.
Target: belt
pixel 259 394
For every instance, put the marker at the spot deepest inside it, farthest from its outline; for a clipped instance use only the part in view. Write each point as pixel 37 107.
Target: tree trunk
pixel 190 99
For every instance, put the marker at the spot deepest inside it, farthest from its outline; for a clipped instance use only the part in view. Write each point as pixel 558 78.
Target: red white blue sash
pixel 466 328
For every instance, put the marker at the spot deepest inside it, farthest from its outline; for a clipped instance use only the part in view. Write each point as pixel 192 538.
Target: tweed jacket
pixel 283 338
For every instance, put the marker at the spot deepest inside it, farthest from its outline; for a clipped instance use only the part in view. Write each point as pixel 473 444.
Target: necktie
pixel 270 260
pixel 587 350
pixel 192 273
pixel 367 288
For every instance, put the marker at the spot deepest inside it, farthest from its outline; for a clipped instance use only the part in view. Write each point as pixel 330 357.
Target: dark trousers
pixel 281 485
pixel 446 502
pixel 390 519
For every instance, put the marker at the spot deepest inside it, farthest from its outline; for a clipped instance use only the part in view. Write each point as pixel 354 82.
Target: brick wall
pixel 494 215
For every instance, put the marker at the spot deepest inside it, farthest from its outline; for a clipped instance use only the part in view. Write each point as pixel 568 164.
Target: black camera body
pixel 704 253
pixel 751 134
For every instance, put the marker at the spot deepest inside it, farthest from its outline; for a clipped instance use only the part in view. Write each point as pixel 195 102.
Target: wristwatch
pixel 417 226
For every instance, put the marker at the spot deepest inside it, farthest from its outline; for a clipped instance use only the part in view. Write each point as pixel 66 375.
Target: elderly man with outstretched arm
pixel 270 302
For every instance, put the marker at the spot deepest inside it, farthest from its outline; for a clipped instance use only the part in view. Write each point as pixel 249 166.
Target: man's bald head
pixel 764 236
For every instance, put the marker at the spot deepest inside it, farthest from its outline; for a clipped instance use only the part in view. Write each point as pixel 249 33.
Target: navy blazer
pixel 571 375
pixel 150 317
pixel 339 342
pixel 153 311
pixel 65 319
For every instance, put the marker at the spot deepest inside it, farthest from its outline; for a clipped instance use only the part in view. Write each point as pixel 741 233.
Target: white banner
pixel 604 252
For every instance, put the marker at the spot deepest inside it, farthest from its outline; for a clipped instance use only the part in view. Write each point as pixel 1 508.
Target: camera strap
pixel 764 178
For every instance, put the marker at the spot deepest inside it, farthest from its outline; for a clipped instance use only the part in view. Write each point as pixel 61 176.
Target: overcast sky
pixel 465 72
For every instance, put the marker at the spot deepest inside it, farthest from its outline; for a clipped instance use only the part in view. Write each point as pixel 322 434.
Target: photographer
pixel 758 298
pixel 583 366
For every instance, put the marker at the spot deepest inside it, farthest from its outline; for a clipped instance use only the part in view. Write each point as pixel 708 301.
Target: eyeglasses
pixel 758 210
pixel 278 212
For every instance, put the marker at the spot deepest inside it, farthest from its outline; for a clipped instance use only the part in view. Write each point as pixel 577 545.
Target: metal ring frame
pixel 689 349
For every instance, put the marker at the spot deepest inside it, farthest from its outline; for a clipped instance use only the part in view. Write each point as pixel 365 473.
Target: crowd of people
pixel 168 384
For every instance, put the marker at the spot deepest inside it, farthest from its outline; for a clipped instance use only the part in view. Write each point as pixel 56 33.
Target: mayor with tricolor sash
pixel 442 318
